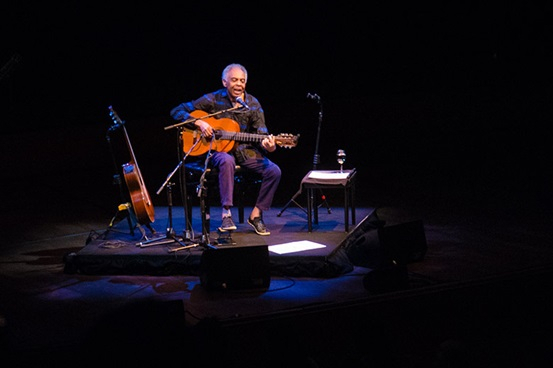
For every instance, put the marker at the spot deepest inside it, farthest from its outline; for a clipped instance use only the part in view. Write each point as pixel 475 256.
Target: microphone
pixel 241 102
pixel 313 96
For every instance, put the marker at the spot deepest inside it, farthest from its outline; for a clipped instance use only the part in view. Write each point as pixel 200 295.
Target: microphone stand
pixel 170 233
pixel 200 189
pixel 316 160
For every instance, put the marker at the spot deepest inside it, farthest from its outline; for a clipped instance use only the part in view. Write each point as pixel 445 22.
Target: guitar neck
pixel 118 122
pixel 239 136
pixel 225 133
pixel 129 146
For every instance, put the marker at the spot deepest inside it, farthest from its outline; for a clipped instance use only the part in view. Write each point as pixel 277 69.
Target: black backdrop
pixel 415 94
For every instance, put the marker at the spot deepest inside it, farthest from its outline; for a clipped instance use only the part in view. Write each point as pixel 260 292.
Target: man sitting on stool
pixel 250 156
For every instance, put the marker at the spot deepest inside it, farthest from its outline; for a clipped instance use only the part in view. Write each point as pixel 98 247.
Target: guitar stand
pixel 123 211
pixel 131 218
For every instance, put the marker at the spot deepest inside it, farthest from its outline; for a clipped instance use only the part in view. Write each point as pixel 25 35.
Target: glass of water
pixel 341 158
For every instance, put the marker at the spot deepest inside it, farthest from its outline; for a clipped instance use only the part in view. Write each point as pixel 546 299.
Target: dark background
pixel 434 98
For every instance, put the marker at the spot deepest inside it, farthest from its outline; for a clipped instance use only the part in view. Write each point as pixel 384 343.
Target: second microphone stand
pixel 316 160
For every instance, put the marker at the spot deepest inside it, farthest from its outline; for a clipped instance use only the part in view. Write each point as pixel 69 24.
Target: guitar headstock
pixel 116 119
pixel 286 140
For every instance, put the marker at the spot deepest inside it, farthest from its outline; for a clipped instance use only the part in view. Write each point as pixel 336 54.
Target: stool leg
pixel 241 214
pixel 309 209
pixel 315 210
pixel 205 213
pixel 352 199
pixel 239 188
pixel 241 195
pixel 346 209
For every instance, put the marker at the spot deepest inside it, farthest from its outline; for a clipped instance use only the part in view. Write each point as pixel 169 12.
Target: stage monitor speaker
pixel 361 245
pixel 373 245
pixel 230 268
pixel 386 278
pixel 403 243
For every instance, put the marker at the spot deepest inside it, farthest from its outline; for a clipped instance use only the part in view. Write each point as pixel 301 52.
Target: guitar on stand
pixel 142 205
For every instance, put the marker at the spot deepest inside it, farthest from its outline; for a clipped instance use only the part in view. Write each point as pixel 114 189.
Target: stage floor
pixel 485 277
pixel 169 250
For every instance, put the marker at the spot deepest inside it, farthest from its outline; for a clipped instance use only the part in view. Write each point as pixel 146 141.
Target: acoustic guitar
pixel 226 132
pixel 141 202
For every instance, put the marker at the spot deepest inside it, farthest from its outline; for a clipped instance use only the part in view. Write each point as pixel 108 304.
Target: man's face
pixel 235 82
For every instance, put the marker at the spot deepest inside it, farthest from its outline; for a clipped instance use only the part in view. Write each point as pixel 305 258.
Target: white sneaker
pixel 227 224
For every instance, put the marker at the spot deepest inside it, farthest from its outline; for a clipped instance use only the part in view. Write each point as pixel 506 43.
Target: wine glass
pixel 341 158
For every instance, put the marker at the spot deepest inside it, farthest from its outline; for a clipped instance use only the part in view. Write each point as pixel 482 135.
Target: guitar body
pixel 191 137
pixel 142 204
pixel 226 133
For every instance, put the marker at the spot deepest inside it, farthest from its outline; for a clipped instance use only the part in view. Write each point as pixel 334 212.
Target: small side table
pixel 330 179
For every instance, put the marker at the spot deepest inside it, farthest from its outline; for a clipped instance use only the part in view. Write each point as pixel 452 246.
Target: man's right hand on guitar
pixel 205 128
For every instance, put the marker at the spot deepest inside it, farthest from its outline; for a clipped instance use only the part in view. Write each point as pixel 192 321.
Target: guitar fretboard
pixel 239 136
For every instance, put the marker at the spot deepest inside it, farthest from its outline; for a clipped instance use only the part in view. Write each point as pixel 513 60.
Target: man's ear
pixel 224 82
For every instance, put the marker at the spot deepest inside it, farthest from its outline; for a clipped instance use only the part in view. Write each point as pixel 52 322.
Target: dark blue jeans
pixel 269 171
